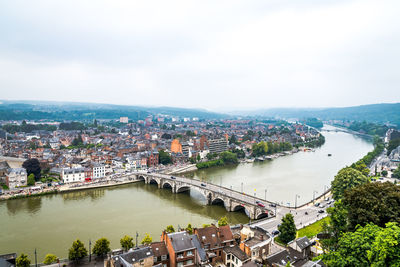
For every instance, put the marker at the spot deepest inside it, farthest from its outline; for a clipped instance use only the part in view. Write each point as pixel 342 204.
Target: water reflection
pixel 92 194
pixel 31 205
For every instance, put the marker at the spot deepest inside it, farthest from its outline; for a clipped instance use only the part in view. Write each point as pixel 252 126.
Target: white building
pixel 16 177
pixel 99 171
pixel 73 175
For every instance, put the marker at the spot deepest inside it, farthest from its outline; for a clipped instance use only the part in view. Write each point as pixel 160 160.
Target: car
pixel 317 204
pixel 148 171
pixel 321 211
pixel 172 177
pixel 261 205
pixel 275 232
pixel 272 205
pixel 203 184
pixel 322 206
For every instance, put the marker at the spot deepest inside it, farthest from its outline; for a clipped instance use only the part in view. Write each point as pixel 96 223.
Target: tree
pixel 346 178
pixel 353 248
pixel 170 229
pixel 287 228
pixel 189 229
pixel 360 166
pixel 101 247
pixel 336 226
pixel 377 203
pixel 77 251
pixel 260 149
pixel 369 245
pixel 385 249
pixel 164 157
pixel 126 242
pixel 32 166
pixel 23 261
pixel 31 179
pixel 228 157
pixel 147 239
pixel 396 173
pixel 223 221
pixel 50 258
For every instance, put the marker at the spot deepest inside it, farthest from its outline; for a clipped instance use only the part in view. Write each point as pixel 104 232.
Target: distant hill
pixel 377 113
pixel 36 110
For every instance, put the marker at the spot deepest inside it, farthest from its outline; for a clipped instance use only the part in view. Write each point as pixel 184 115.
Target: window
pixel 236 260
pixel 180 264
pixel 180 255
pixel 163 257
pixel 228 257
pixel 189 262
pixel 189 253
pixel 155 259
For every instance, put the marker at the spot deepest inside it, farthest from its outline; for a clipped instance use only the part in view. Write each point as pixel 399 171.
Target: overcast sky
pixel 217 55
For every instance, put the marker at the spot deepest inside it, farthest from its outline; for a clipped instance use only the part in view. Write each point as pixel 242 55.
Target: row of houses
pixel 215 246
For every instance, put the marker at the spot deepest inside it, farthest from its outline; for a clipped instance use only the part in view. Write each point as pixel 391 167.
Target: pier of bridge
pixel 215 195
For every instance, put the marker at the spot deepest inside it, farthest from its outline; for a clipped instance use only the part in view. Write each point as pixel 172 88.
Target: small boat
pixel 329 155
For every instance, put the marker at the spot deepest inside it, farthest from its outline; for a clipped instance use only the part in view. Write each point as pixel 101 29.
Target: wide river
pixel 51 223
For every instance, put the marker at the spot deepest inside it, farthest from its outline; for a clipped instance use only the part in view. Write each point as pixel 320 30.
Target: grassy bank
pixel 312 229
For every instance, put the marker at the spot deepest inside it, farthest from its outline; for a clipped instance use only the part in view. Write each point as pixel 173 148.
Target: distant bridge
pixel 214 194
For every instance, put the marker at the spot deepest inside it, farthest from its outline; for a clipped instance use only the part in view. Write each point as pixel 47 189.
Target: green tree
pixel 147 239
pixel 260 149
pixel 346 178
pixel 377 203
pixel 31 179
pixel 50 258
pixel 126 242
pixel 77 251
pixel 396 173
pixel 287 228
pixel 206 225
pixel 336 226
pixel 164 157
pixel 32 166
pixel 223 221
pixel 170 229
pixel 353 248
pixel 23 261
pixel 189 229
pixel 101 247
pixel 385 250
pixel 360 166
pixel 228 157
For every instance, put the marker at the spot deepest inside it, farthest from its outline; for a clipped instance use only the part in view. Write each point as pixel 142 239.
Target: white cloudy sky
pixel 208 54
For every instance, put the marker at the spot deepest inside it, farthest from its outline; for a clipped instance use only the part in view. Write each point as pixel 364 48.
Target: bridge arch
pixel 167 185
pixel 141 178
pixel 153 181
pixel 241 208
pixel 218 201
pixel 262 215
pixel 183 188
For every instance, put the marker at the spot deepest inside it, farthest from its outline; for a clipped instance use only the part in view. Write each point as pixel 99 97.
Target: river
pixel 51 223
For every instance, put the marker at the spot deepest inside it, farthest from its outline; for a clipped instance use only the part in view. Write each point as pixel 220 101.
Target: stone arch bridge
pixel 232 200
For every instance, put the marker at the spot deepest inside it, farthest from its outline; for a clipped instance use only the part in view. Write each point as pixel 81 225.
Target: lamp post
pixel 325 188
pixel 35 258
pixel 266 194
pixel 137 235
pixel 242 187
pixel 295 201
pixel 313 199
pixel 90 250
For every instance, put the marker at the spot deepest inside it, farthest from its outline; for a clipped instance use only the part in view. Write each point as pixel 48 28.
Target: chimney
pixel 262 237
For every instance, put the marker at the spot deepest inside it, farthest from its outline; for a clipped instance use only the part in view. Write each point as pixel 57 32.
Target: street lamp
pixel 90 250
pixel 295 200
pixel 242 187
pixel 313 199
pixel 266 194
pixel 35 258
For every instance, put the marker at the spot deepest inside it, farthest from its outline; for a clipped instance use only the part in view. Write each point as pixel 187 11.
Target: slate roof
pixel 282 257
pixel 181 241
pixel 200 250
pixel 133 256
pixel 304 242
pixel 237 252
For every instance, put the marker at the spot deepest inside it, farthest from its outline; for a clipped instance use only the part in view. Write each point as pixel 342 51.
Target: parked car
pixel 317 204
pixel 172 177
pixel 275 232
pixel 322 206
pixel 272 205
pixel 203 184
pixel 321 211
pixel 260 204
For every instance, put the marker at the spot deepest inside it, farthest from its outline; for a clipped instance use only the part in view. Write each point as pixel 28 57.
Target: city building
pixel 99 171
pixel 160 253
pixel 182 251
pixel 217 145
pixel 16 177
pixel 140 257
pixel 73 175
pixel 123 120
